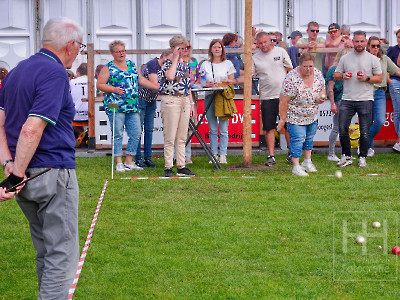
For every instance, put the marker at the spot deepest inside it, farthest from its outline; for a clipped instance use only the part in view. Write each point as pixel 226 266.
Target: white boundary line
pixel 86 247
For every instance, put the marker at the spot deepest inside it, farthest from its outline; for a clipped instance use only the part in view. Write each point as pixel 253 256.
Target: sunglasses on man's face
pixel 314 30
pixel 273 40
pixel 332 31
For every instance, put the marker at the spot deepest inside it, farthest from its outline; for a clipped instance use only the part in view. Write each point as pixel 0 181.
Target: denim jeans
pixel 147 110
pixel 131 121
pixel 394 90
pixel 301 137
pixel 335 131
pixel 213 125
pixel 364 111
pixel 378 114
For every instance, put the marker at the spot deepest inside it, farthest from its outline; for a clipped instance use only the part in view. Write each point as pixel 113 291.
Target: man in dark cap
pixel 293 51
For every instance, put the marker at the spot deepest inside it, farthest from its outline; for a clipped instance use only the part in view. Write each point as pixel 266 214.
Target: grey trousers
pixel 50 203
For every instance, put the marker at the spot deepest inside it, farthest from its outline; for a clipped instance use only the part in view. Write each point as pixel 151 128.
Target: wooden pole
pixel 91 95
pixel 248 41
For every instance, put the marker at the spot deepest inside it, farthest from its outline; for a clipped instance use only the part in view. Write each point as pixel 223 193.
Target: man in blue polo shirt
pixel 36 113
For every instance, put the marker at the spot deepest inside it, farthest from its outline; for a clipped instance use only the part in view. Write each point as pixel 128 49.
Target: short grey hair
pixel 58 32
pixel 114 44
pixel 177 40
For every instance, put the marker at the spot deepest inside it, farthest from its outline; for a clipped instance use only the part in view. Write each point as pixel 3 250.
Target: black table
pixel 195 127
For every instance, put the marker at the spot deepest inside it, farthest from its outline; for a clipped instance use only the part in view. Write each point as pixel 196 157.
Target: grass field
pixel 236 234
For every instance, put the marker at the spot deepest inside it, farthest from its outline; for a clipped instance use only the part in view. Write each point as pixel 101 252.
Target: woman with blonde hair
pixel 335 92
pixel 379 105
pixel 119 81
pixel 176 107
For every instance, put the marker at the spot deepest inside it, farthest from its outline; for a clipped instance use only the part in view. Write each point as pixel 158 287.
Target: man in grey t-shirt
pixel 360 70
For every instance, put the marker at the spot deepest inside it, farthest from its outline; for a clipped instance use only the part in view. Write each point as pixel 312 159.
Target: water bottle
pixel 203 78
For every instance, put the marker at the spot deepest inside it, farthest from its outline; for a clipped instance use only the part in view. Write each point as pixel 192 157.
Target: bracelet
pixel 6 162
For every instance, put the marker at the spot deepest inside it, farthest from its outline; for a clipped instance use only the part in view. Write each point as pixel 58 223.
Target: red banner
pixel 387 131
pixel 235 128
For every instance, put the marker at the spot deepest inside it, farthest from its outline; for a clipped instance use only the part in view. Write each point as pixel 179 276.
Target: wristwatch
pixel 368 78
pixel 6 162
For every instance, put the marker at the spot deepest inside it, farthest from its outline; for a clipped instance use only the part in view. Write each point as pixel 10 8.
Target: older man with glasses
pixel 36 114
pixel 312 42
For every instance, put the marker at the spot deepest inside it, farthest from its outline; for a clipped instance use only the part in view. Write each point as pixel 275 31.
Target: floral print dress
pixel 180 85
pixel 302 107
pixel 128 80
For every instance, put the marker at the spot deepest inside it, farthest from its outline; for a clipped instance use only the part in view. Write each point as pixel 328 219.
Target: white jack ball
pixel 338 174
pixel 360 240
pixel 376 224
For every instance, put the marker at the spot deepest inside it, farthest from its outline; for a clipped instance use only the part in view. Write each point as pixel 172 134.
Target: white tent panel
pixel 366 15
pixel 268 15
pixel 17 32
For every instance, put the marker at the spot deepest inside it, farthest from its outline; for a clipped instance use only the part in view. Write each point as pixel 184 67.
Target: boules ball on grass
pixel 396 250
pixel 338 174
pixel 360 240
pixel 376 224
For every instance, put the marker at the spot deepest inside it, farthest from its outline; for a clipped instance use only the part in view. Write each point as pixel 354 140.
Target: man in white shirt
pixel 359 70
pixel 271 64
pixel 79 90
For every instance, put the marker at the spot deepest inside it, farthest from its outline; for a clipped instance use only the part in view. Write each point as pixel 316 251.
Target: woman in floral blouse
pixel 176 107
pixel 302 91
pixel 119 81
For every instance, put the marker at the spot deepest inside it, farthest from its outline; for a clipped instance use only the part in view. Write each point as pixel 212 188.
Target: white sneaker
pixel 299 171
pixel 345 161
pixel 309 167
pixel 371 152
pixel 222 159
pixel 396 147
pixel 120 168
pixel 333 157
pixel 362 162
pixel 132 167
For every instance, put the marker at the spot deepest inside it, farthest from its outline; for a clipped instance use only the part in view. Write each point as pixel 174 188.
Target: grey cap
pixel 294 34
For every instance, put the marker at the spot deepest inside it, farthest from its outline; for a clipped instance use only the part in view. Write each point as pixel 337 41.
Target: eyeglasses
pixel 187 48
pixel 120 52
pixel 273 40
pixel 82 46
pixel 314 30
pixel 375 46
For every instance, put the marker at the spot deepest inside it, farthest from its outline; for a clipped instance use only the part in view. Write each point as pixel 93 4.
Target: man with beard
pixel 359 70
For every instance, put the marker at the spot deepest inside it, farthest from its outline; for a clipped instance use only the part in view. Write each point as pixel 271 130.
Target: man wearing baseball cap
pixel 334 40
pixel 293 51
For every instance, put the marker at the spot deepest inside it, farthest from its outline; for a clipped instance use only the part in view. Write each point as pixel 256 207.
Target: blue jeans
pixel 147 110
pixel 131 121
pixel 394 90
pixel 378 115
pixel 213 125
pixel 335 131
pixel 301 137
pixel 347 110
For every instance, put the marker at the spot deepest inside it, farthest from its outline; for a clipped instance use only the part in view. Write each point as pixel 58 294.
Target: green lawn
pixel 258 233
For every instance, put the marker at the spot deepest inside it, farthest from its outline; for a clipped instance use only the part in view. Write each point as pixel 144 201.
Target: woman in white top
pixel 217 69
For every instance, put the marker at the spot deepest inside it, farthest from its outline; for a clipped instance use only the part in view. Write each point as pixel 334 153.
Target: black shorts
pixel 269 113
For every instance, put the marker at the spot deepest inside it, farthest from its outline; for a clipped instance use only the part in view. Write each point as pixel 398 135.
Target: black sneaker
pixel 168 172
pixel 149 163
pixel 140 163
pixel 184 172
pixel 289 159
pixel 270 161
